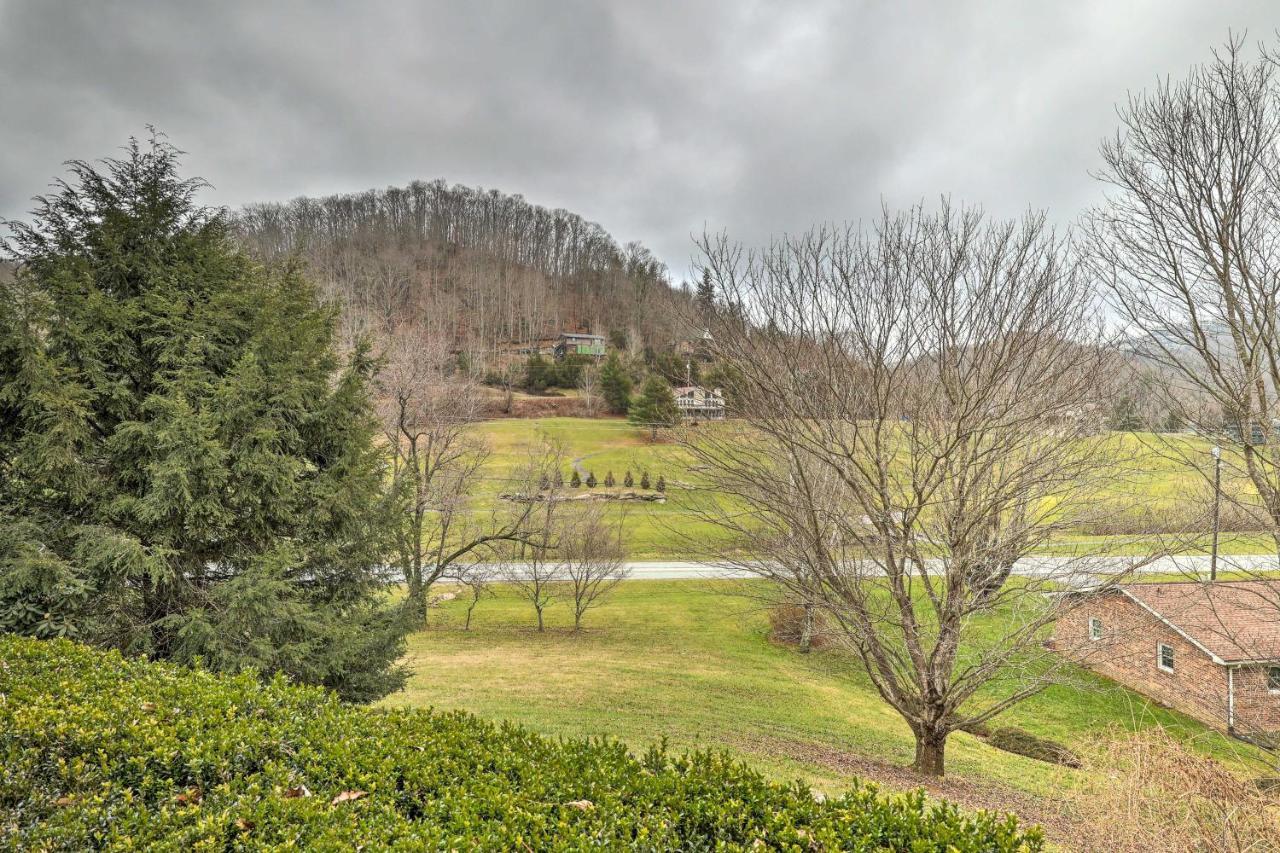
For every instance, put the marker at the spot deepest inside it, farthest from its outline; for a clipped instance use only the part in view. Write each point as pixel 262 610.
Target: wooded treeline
pixel 478 267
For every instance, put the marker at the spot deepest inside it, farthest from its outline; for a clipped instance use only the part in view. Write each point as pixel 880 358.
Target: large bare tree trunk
pixel 931 748
pixel 806 628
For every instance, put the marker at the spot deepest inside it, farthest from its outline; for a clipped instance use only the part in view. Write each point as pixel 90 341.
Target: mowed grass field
pixel 1155 476
pixel 600 446
pixel 692 662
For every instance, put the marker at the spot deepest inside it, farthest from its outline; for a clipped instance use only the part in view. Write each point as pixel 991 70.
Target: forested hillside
pixel 478 267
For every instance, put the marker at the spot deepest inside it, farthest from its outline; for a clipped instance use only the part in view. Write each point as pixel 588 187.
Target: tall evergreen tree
pixel 187 469
pixel 1125 416
pixel 538 374
pixel 615 384
pixel 706 293
pixel 655 405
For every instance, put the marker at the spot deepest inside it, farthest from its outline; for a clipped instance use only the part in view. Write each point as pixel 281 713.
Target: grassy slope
pixel 689 660
pixel 1156 474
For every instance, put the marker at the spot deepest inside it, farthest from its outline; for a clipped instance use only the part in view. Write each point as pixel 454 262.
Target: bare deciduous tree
pixel 476 577
pixel 589 385
pixel 593 558
pixel 426 413
pixel 920 409
pixel 1188 244
pixel 533 569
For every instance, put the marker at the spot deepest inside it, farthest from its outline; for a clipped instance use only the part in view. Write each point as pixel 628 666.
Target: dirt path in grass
pixel 576 464
pixel 1060 827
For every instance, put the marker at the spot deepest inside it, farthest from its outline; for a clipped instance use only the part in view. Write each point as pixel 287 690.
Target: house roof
pixel 1231 621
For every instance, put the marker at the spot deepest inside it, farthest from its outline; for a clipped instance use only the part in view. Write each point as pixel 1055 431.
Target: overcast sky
pixel 654 119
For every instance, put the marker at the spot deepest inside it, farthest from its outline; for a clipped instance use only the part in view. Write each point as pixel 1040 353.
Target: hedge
pixel 1022 742
pixel 103 752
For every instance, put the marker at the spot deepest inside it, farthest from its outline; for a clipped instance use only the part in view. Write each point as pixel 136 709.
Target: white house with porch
pixel 699 404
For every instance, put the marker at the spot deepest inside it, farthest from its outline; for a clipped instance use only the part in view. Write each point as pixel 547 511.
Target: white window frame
pixel 1268 672
pixel 1160 647
pixel 1095 622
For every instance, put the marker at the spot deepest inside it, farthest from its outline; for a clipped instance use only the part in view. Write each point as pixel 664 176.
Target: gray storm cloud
pixel 654 119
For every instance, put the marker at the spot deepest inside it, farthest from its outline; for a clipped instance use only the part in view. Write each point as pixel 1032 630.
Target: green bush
pixel 1022 742
pixel 103 752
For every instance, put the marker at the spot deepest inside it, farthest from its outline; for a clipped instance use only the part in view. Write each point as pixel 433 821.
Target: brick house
pixel 1210 650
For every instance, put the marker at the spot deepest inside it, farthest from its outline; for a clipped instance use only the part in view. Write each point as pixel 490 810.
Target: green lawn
pixel 690 661
pixel 1155 475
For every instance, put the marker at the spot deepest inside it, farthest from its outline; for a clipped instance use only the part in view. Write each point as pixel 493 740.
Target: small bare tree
pixel 533 569
pixel 427 413
pixel 477 579
pixel 919 410
pixel 1150 791
pixel 593 558
pixel 589 385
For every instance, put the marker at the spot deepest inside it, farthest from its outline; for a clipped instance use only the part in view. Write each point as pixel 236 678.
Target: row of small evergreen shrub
pixel 576 481
pixel 103 752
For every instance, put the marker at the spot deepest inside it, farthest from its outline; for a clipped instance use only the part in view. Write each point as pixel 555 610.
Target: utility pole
pixel 1217 506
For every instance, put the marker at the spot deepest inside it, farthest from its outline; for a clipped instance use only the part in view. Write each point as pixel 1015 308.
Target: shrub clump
pixel 100 751
pixel 1022 742
pixel 790 625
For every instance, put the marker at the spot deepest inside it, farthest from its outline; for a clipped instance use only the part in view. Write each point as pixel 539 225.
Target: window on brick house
pixel 1164 657
pixel 1273 679
pixel 1095 628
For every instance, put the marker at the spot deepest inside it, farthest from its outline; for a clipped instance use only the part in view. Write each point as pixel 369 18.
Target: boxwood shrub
pixel 102 752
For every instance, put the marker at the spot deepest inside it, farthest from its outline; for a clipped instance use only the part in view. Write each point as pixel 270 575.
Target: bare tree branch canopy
pixel 1188 245
pixel 476 577
pixel 593 558
pixel 919 408
pixel 533 567
pixel 426 413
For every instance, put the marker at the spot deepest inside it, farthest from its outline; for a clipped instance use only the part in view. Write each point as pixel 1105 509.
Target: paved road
pixel 1072 571
pixel 1067 569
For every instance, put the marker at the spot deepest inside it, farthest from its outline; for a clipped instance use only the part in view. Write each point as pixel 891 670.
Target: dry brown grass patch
pixel 1147 791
